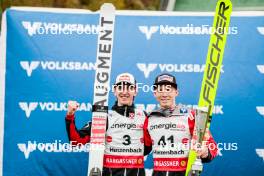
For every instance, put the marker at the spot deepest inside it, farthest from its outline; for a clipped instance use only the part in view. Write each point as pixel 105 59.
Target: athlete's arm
pixel 77 136
pixel 147 138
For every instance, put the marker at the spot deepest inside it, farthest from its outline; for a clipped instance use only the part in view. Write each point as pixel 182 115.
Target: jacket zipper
pixel 125 113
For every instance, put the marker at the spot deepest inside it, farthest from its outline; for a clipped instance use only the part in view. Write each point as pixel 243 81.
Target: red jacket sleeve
pixel 147 138
pixel 77 136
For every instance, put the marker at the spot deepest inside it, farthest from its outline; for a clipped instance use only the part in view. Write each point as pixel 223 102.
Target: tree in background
pixel 84 4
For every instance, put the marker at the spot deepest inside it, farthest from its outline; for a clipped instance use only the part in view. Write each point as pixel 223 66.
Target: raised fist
pixel 72 107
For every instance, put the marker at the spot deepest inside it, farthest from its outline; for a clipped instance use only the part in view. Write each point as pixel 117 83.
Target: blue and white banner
pixel 48 57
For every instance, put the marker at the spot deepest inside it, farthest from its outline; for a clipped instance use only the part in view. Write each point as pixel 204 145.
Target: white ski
pixel 101 89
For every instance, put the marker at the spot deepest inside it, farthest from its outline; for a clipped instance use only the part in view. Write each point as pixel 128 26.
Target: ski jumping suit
pixel 125 134
pixel 168 128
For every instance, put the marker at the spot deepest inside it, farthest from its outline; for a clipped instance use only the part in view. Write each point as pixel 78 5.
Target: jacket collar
pixel 124 110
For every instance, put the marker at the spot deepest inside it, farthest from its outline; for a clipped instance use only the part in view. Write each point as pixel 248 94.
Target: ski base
pixel 95 172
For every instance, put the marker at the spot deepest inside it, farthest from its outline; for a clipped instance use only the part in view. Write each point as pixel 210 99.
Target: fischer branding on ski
pixel 212 69
pixel 101 89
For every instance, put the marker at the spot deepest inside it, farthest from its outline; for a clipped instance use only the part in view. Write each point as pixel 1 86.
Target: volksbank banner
pixel 48 57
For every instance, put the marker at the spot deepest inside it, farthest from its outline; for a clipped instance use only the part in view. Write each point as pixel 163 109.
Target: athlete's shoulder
pixel 110 113
pixel 185 110
pixel 156 113
pixel 140 112
pixel 182 109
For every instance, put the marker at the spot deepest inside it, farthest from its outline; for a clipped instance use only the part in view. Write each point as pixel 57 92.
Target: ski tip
pixel 95 172
pixel 108 7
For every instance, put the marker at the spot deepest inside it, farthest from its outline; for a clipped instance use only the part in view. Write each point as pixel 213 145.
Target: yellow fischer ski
pixel 212 70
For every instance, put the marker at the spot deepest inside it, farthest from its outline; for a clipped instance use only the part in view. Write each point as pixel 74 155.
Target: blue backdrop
pixel 50 59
